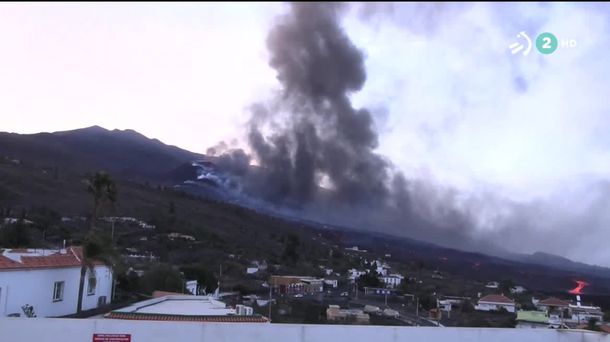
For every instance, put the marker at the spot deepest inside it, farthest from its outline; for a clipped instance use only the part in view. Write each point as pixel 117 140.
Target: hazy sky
pixel 524 140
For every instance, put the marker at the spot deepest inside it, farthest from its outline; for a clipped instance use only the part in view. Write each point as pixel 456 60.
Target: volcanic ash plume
pixel 313 132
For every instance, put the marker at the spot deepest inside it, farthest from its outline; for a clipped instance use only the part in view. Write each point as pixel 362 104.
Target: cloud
pixel 506 132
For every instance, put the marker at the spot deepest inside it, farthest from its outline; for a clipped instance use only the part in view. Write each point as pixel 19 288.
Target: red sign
pixel 111 337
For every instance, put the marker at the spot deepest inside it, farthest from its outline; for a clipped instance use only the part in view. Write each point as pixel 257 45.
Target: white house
pixel 392 280
pixel 48 281
pixel 331 282
pixel 492 285
pixel 183 308
pixel 517 289
pixel 495 303
pixel 445 305
pixel 353 273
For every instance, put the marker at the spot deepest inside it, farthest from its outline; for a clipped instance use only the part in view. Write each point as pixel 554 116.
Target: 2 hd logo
pixel 546 44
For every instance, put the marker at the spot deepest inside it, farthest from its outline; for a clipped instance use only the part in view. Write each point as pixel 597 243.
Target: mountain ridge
pixel 131 155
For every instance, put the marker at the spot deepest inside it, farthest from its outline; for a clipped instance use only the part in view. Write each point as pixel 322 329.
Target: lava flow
pixel 580 285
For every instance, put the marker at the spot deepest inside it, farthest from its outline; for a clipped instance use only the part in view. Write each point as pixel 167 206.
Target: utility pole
pixel 417 309
pixel 219 277
pixel 438 318
pixel 114 282
pixel 270 302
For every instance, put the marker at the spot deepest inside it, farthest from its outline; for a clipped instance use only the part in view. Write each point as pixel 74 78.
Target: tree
pixel 15 235
pixel 506 285
pixel 592 324
pixel 369 279
pixel 467 306
pixel 205 278
pixel 290 249
pixel 102 190
pixel 162 277
pixel 44 218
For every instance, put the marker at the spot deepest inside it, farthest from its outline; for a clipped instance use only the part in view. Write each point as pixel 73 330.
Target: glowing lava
pixel 580 285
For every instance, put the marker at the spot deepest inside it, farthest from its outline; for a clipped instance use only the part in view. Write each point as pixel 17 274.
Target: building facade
pixel 45 283
pixel 495 303
pixel 392 280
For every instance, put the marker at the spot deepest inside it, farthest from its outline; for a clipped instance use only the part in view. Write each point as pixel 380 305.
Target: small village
pixel 45 283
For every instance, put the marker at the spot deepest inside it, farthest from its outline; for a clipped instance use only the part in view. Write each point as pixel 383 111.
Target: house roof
pixel 493 298
pixel 184 308
pixel 553 302
pixel 16 259
pixel 186 318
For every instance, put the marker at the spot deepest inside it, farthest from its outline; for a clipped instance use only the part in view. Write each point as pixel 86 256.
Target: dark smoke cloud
pixel 311 134
pixel 323 136
pixel 235 161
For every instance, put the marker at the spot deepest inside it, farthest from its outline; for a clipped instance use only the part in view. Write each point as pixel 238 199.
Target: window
pixel 58 291
pixel 91 286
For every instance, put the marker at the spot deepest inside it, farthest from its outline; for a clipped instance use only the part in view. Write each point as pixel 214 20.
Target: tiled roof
pixel 71 258
pixel 186 318
pixel 496 299
pixel 553 302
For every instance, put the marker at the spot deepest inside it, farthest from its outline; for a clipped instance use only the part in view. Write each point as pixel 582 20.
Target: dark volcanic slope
pixel 50 168
pixel 125 153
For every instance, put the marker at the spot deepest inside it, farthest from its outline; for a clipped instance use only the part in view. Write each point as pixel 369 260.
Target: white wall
pixel 73 330
pixel 35 287
pixel 494 307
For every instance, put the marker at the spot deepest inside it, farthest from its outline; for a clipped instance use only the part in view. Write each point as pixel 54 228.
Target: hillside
pixel 127 154
pixel 46 171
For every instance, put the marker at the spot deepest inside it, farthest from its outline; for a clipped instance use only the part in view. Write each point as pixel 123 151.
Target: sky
pixel 521 140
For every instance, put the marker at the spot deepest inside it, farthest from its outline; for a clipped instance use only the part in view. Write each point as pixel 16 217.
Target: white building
pixel 582 313
pixel 445 305
pixel 332 282
pixel 495 303
pixel 517 289
pixel 251 270
pixel 48 281
pixel 353 273
pixel 492 285
pixel 186 309
pixel 392 280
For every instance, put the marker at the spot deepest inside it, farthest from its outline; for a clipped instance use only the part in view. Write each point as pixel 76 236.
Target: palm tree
pixel 103 191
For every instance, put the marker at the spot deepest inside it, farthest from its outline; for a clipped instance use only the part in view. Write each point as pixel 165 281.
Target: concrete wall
pixel 72 330
pixel 35 287
pixel 494 307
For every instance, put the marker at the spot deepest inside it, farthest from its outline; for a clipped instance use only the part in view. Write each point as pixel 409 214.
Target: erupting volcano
pixel 580 285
